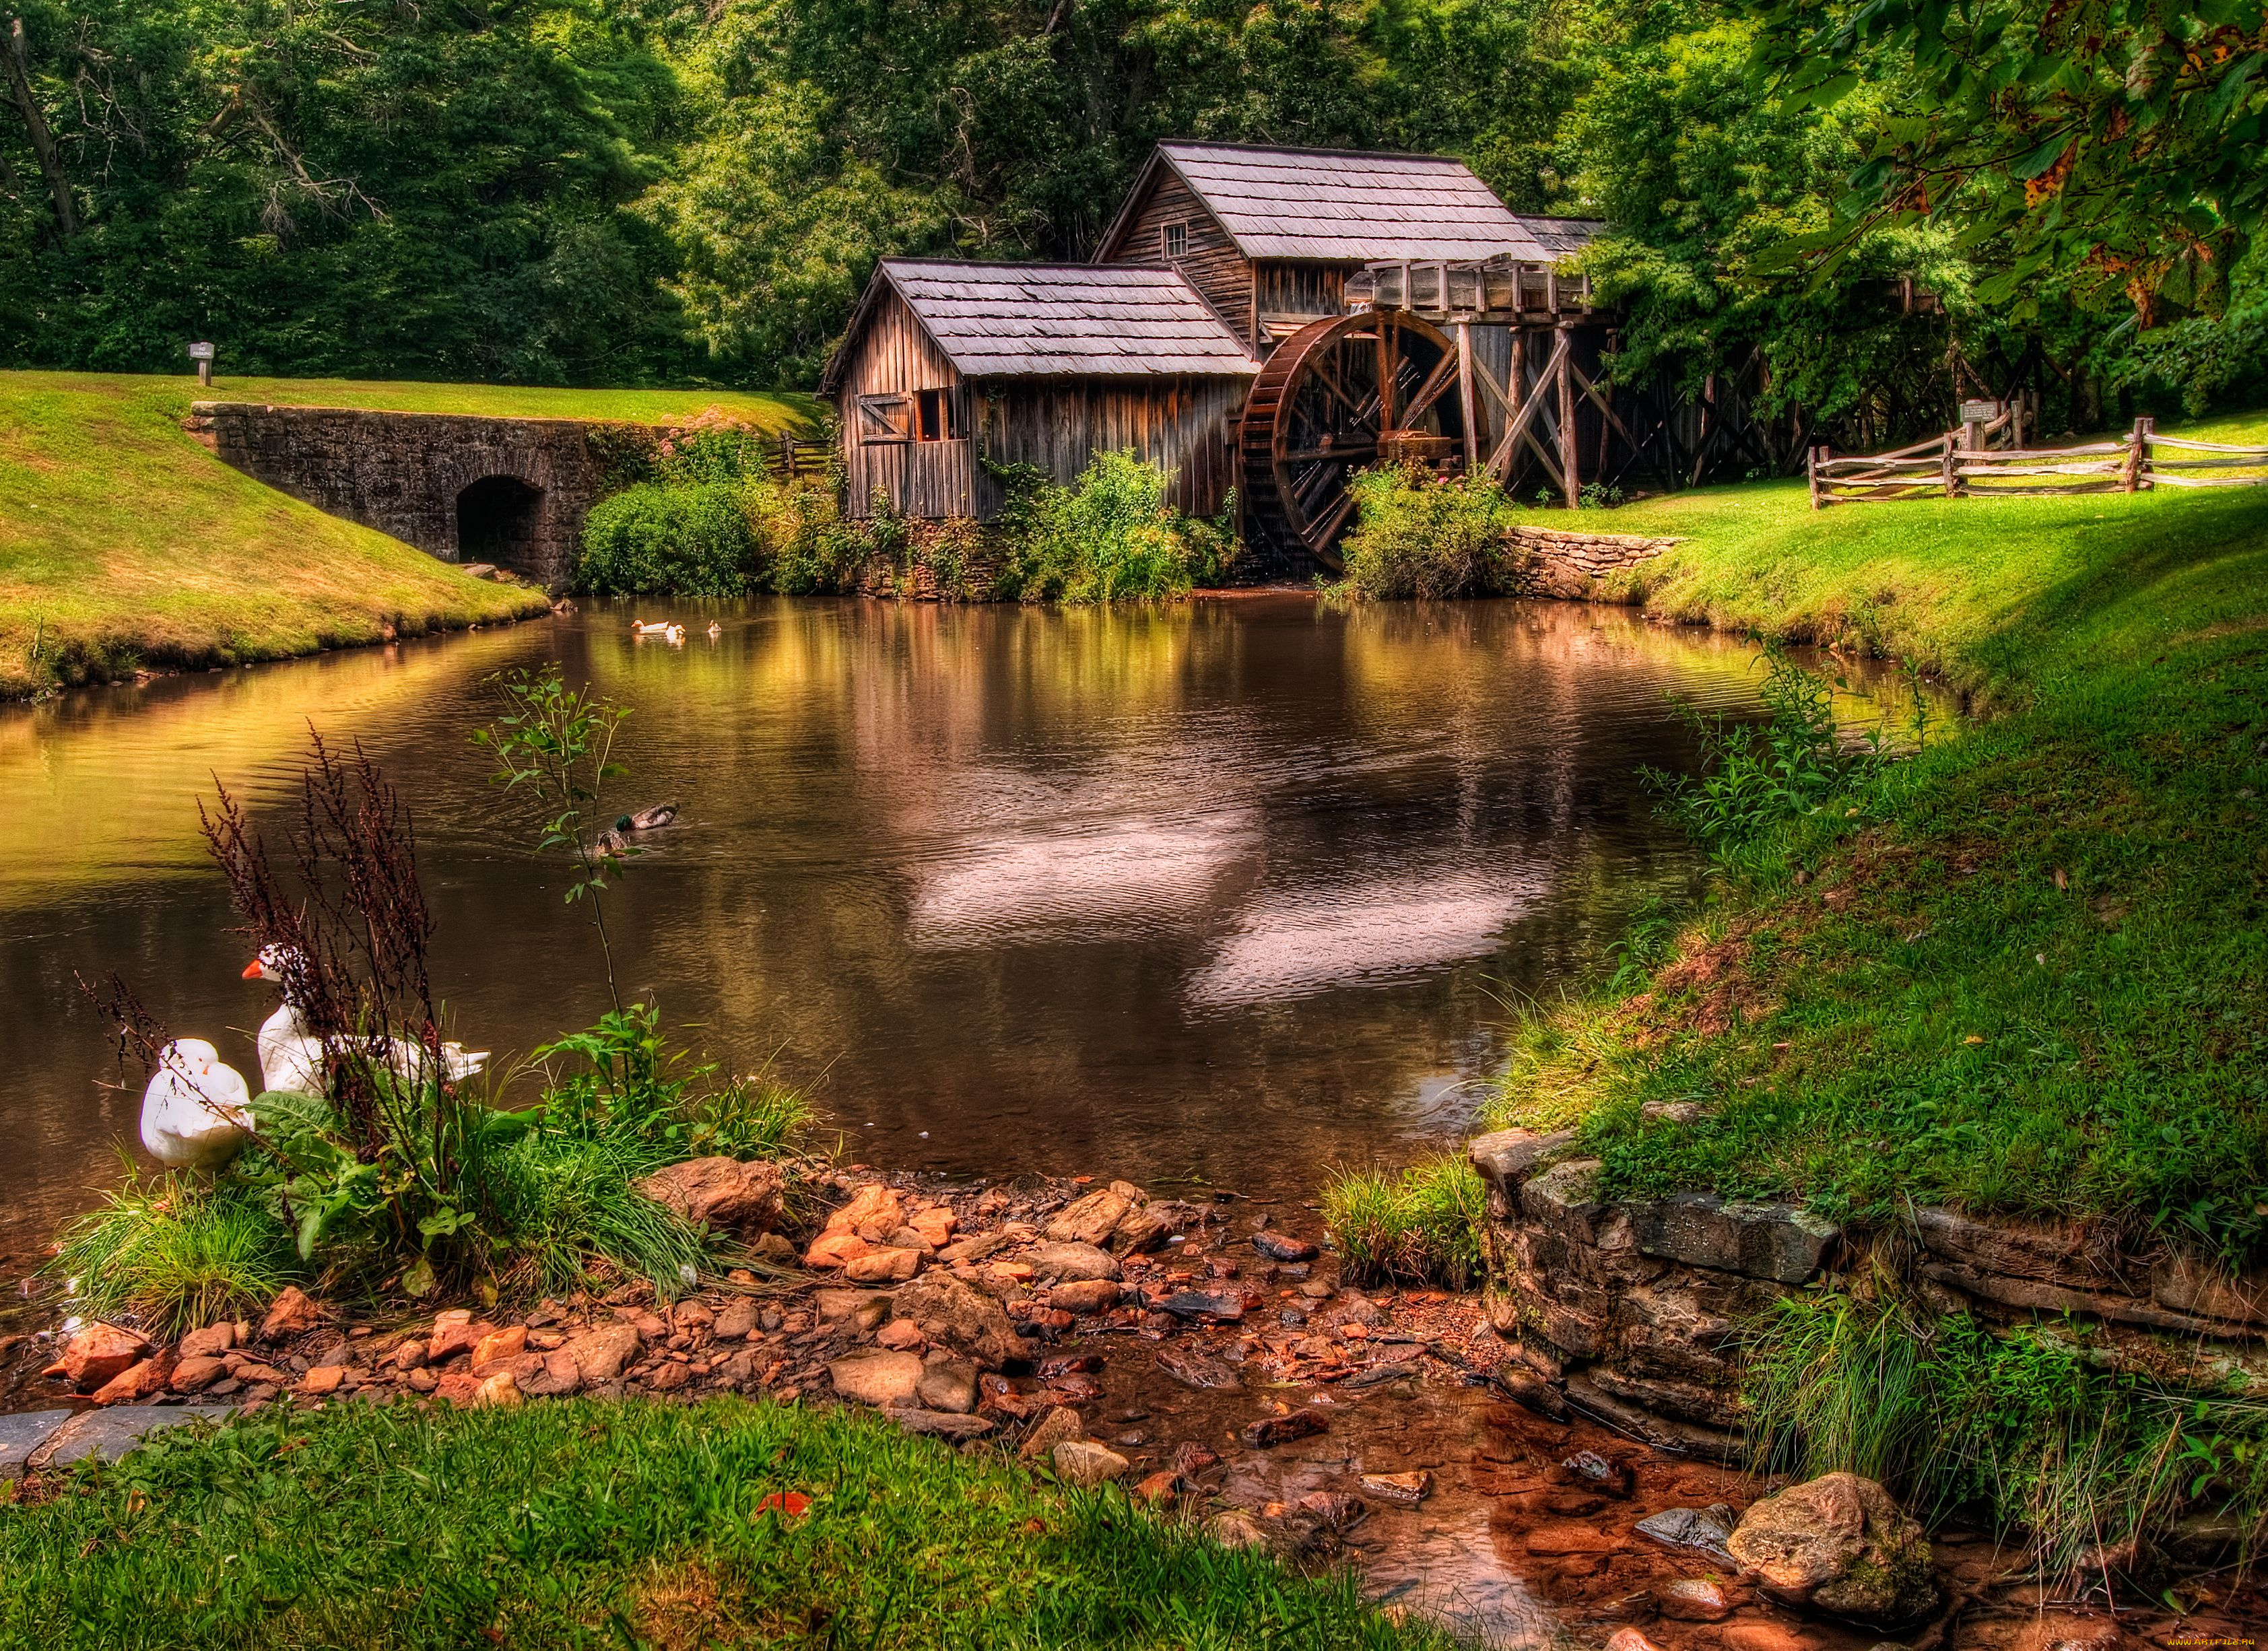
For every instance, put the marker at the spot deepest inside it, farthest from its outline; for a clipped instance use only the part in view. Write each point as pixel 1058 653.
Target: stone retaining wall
pixel 402 473
pixel 1573 566
pixel 1638 1309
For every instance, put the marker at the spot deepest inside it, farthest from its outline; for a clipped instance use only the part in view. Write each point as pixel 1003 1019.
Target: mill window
pixel 937 416
pixel 1173 241
pixel 883 420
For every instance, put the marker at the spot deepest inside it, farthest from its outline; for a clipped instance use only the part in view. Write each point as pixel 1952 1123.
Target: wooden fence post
pixel 1811 470
pixel 1571 480
pixel 2137 454
pixel 1952 450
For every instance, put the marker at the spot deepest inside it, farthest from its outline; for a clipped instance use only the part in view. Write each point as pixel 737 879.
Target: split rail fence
pixel 1958 464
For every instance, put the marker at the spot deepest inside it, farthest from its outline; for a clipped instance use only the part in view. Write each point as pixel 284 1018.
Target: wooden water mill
pixel 1342 394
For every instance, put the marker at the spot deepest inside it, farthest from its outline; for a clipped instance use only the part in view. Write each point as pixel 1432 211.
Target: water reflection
pixel 1213 889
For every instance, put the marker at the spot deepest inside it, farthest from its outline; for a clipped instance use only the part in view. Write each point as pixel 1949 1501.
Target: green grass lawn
pixel 2023 972
pixel 631 1523
pixel 124 543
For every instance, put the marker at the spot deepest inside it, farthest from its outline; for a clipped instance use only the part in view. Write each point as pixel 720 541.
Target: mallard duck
pixel 648 819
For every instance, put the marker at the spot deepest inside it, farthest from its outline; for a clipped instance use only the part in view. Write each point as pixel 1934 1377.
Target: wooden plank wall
pixel 930 479
pixel 1285 288
pixel 1214 267
pixel 1059 425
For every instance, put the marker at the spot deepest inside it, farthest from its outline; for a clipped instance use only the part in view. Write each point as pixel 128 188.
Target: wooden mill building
pixel 1265 320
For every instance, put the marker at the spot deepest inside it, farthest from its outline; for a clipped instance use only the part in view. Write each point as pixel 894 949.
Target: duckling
pixel 715 630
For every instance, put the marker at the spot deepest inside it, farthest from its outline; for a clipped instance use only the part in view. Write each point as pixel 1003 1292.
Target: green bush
pixel 1110 536
pixel 671 539
pixel 173 1256
pixel 1416 537
pixel 1421 1225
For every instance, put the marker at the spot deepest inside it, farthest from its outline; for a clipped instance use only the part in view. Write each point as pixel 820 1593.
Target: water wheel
pixel 1339 395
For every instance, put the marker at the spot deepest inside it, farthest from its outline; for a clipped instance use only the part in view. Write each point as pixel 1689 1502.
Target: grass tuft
pixel 170 1256
pixel 1417 1226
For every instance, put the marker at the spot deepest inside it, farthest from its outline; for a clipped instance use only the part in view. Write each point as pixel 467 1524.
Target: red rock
pixel 876 1378
pixel 599 1353
pixel 409 1355
pixel 720 1192
pixel 194 1376
pixel 738 1321
pixel 209 1343
pixel 1160 1486
pixel 292 1313
pixel 324 1378
pixel 1085 1296
pixel 1764 1636
pixel 100 1354
pixel 1408 1489
pixel 454 1336
pixel 935 1225
pixel 899 1336
pixel 141 1382
pixel 457 1387
pixel 834 1249
pixel 498 1346
pixel 874 1213
pixel 558 1377
pixel 882 1266
pixel 1631 1640
pixel 1090 1219
pixel 1693 1599
pixel 670 1377
pixel 1060 1424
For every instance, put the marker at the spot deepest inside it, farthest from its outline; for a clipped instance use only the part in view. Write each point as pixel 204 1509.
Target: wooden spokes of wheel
pixel 1340 394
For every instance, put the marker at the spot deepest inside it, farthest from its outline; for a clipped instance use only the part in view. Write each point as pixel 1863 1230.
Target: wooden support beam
pixel 1468 397
pixel 1565 356
pixel 1501 461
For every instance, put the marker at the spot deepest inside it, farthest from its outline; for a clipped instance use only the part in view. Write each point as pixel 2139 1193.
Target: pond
pixel 1235 890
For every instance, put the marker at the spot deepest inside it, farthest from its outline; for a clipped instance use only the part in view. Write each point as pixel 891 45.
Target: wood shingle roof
pixel 1007 320
pixel 1345 207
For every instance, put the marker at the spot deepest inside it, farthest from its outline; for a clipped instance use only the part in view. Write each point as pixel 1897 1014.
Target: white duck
pixel 291 1054
pixel 196 1114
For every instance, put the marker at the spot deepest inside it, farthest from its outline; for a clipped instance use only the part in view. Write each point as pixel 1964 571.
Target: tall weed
pixel 1421 1225
pixel 173 1256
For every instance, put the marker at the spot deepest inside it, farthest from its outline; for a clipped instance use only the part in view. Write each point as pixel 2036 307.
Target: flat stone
pixel 1777 1241
pixel 1279 1430
pixel 1282 1247
pixel 1222 1304
pixel 947 1384
pixel 1408 1489
pixel 209 1343
pixel 1067 1262
pixel 107 1435
pixel 1565 1200
pixel 1705 1529
pixel 1693 1599
pixel 323 1379
pixel 868 1307
pixel 876 1378
pixel 1085 1297
pixel 939 1424
pixel 1059 1424
pixel 1505 1157
pixel 498 1346
pixel 737 1320
pixel 1082 1461
pixel 720 1191
pixel 20 1435
pixel 888 1264
pixel 194 1376
pixel 1091 1220
pixel 1378 1374
pixel 835 1248
pixel 1552 1540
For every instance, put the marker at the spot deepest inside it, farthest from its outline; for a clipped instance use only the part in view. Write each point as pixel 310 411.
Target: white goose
pixel 291 1054
pixel 196 1112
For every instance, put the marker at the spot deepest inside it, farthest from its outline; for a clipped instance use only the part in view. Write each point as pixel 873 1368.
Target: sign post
pixel 202 353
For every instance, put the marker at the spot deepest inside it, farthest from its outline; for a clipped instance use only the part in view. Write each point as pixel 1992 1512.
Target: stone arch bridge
pixel 464 488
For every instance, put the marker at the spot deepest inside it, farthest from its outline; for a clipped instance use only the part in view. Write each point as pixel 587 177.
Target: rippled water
pixel 1231 890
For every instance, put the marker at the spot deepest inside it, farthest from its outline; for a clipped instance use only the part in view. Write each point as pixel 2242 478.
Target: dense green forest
pixel 635 192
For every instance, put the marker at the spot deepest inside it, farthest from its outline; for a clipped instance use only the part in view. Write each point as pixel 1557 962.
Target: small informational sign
pixel 201 352
pixel 1982 412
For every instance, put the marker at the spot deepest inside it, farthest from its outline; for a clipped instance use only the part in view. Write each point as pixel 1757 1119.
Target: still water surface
pixel 1234 890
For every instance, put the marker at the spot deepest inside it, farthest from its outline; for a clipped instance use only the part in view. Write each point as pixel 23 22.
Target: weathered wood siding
pixel 931 479
pixel 1059 425
pixel 1282 288
pixel 1212 264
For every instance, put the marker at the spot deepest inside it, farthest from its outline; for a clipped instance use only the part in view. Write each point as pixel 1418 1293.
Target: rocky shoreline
pixel 1205 1353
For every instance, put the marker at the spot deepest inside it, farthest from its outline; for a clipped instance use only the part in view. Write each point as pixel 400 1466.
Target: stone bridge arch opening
pixel 499 520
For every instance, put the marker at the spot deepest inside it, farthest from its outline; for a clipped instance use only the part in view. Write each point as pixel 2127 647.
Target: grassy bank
pixel 2021 973
pixel 625 1523
pixel 125 545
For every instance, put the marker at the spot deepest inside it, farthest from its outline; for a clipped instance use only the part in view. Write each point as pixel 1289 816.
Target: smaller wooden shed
pixel 947 366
